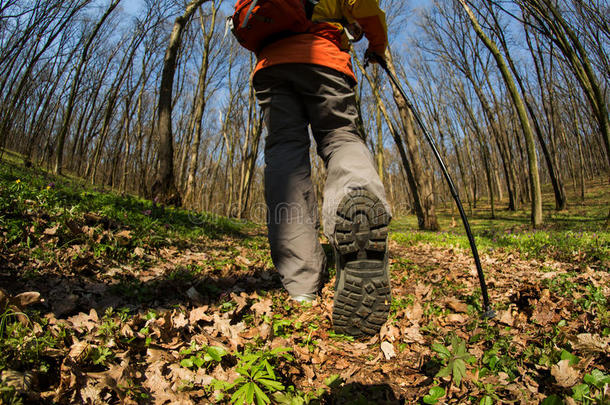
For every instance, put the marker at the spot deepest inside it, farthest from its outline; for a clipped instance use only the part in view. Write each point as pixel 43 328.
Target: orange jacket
pixel 326 43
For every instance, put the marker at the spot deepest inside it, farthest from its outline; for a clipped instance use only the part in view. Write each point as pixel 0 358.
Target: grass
pixel 36 207
pixel 579 233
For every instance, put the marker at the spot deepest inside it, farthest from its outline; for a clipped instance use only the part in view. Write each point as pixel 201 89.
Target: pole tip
pixel 489 313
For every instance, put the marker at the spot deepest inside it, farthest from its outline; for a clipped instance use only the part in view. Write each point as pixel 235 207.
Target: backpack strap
pixel 245 23
pixel 309 6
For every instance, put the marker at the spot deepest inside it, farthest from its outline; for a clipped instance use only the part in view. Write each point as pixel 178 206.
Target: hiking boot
pixel 362 290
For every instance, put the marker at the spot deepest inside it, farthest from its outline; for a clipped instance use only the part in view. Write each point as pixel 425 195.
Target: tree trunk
pixel 200 104
pixel 422 180
pixel 417 203
pixel 164 188
pixel 61 137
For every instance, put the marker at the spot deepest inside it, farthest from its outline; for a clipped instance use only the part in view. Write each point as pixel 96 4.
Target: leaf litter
pixel 121 332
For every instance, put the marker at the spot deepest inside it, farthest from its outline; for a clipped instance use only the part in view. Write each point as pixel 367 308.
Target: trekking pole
pixel 488 311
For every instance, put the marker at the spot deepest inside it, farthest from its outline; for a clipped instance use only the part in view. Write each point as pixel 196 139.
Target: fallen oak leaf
pixel 565 375
pixel 456 318
pixel 506 317
pixel 51 231
pixel 179 320
pixel 457 306
pixel 199 314
pixel 413 334
pixel 589 343
pixel 263 307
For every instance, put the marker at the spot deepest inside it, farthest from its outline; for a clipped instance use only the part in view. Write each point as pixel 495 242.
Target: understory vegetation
pixel 109 298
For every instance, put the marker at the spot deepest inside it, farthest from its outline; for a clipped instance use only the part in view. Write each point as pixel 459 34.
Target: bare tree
pixel 61 137
pixel 536 214
pixel 164 187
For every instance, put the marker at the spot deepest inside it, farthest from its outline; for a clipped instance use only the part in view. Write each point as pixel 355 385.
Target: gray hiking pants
pixel 293 96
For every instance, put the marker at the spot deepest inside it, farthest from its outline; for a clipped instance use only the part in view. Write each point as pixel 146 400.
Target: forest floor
pixel 109 299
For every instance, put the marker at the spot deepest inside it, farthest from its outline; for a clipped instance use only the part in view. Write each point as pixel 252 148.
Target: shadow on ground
pixel 359 394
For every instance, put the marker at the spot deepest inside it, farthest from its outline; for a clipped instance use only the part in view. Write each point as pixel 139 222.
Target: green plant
pixel 100 355
pixel 195 357
pixel 257 377
pixel 434 395
pixel 455 360
pixel 281 326
pixel 592 391
pixel 340 337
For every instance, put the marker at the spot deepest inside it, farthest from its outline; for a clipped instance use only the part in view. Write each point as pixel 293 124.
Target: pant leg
pixel 291 202
pixel 331 105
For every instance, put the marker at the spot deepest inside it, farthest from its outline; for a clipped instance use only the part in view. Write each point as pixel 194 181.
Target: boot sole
pixel 362 292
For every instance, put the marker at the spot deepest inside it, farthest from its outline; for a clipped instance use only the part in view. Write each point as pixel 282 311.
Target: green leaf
pixel 566 355
pixel 261 397
pixel 198 361
pixel 250 392
pixel 444 372
pixel 187 363
pixel 441 350
pixel 434 395
pixel 579 391
pixel 459 371
pixel 271 385
pixel 239 396
pixel 486 400
pixel 333 381
pixel 437 392
pixel 552 400
pixel 269 369
pixel 597 378
pixel 185 352
pixel 216 353
pixel 459 346
pixel 430 400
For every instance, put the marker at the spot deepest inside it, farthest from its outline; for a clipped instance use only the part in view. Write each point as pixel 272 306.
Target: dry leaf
pixel 263 307
pixel 415 312
pixel 565 375
pixel 243 261
pixel 51 231
pixel 413 334
pixel 199 314
pixel 341 364
pixel 506 317
pixel 588 343
pixel 458 306
pixel 179 320
pixel 543 315
pixel 194 296
pixel 26 298
pixel 456 318
pixel 388 350
pixel 389 332
pixel 78 351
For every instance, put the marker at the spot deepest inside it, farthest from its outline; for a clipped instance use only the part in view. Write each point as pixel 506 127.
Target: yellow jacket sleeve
pixel 372 20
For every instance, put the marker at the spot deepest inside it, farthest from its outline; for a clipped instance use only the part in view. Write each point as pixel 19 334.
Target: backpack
pixel 257 23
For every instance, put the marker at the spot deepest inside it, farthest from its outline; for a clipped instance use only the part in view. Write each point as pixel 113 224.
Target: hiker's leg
pixel 330 102
pixel 291 202
pixel 356 213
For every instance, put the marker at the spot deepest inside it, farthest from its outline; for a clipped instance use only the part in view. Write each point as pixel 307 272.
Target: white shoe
pixel 303 298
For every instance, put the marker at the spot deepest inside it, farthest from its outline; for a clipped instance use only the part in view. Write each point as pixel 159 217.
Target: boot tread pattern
pixel 362 299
